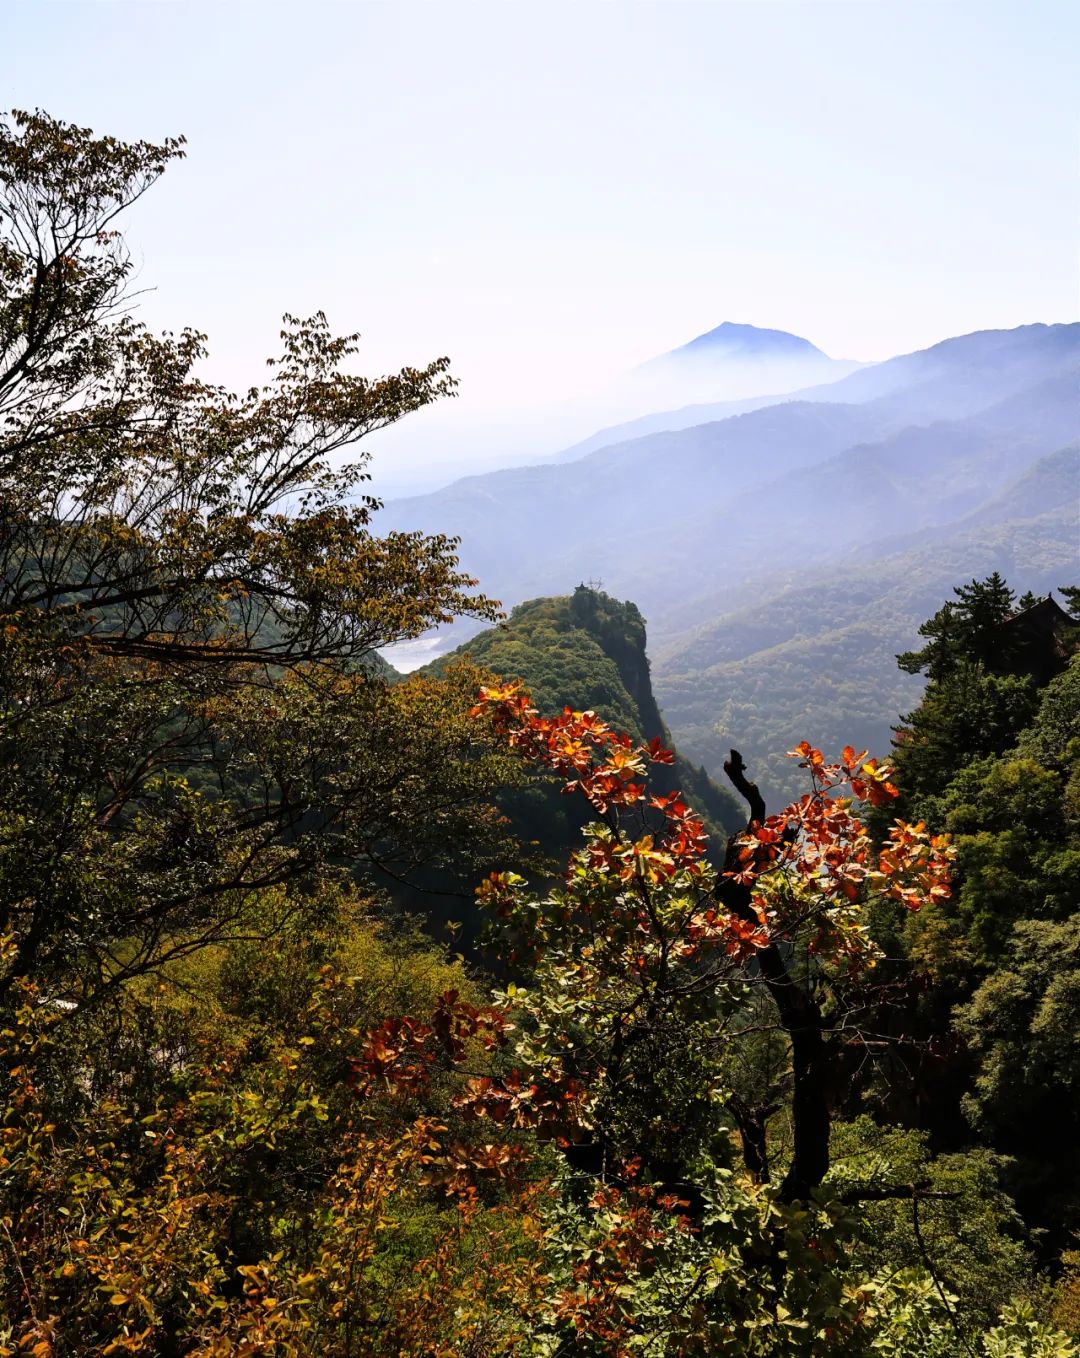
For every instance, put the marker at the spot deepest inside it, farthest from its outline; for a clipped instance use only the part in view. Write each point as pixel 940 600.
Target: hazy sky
pixel 550 192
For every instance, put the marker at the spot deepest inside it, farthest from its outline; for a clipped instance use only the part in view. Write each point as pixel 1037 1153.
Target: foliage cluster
pixel 995 760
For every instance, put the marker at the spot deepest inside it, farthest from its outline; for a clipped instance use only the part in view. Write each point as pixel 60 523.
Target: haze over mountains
pixel 737 366
pixel 731 362
pixel 792 549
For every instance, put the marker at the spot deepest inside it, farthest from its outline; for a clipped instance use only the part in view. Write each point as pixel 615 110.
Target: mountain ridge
pixel 822 516
pixel 886 372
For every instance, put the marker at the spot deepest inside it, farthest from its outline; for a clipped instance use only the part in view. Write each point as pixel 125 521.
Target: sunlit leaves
pixel 813 866
pixel 169 550
pixel 817 864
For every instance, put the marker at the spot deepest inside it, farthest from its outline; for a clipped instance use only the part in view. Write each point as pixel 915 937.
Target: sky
pixel 551 193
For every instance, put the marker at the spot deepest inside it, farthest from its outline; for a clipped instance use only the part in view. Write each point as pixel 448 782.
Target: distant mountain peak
pixel 750 340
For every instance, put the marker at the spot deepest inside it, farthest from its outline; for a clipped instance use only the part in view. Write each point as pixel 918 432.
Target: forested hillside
pixel 992 755
pixel 804 1087
pixel 819 657
pixel 587 651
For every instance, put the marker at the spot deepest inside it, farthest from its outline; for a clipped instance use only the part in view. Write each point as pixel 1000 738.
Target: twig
pixel 949 1308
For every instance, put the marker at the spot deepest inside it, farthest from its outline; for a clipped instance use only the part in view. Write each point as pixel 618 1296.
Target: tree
pixel 993 760
pixel 982 692
pixel 644 977
pixel 1021 1024
pixel 1071 595
pixel 191 597
pixel 277 1167
pixel 965 716
pixel 647 940
pixel 1001 953
pixel 964 631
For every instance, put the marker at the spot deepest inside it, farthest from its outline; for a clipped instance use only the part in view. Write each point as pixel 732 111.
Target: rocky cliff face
pixel 619 630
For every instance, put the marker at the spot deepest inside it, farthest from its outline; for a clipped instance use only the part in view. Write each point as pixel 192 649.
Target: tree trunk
pixel 801 1017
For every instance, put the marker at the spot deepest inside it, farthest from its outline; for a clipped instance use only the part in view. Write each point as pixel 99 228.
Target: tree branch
pixel 735 768
pixel 891 1192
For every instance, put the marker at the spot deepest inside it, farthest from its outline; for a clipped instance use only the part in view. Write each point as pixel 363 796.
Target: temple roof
pixel 1038 640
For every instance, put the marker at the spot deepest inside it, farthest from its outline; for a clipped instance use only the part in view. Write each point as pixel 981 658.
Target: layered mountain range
pixel 783 554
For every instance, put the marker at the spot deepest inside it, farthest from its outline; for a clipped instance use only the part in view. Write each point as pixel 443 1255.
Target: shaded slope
pixel 1053 483
pixel 536 529
pixel 816 660
pixel 857 502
